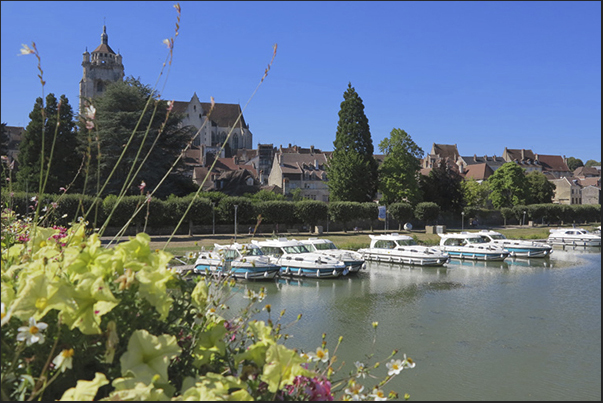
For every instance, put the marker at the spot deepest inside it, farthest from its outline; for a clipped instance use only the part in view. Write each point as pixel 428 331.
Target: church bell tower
pixel 101 68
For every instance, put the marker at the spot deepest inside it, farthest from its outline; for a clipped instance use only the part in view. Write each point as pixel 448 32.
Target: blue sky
pixel 482 75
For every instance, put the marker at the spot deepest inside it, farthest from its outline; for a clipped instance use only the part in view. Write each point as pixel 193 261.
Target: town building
pixel 567 191
pixel 101 68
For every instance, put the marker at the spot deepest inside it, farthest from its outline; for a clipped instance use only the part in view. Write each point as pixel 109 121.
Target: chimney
pixel 523 154
pixel 311 149
pixel 474 157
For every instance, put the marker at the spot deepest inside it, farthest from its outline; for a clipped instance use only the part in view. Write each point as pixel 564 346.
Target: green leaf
pixel 282 366
pixel 85 390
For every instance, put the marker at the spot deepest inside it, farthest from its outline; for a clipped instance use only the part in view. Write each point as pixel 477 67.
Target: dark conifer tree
pixel 352 171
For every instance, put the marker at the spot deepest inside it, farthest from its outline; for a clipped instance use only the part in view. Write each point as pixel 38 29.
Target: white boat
pixel 242 261
pixel 353 260
pixel 403 249
pixel 573 237
pixel 517 247
pixel 465 245
pixel 294 259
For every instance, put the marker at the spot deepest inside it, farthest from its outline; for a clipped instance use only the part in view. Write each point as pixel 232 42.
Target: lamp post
pixel 213 223
pixel 235 222
pixel 462 221
pixel 523 222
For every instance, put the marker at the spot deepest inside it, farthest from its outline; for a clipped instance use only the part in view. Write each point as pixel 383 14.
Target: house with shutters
pixel 300 170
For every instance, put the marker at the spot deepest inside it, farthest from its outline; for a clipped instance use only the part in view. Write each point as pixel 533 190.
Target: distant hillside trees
pixel 50 133
pixel 573 163
pixel 352 171
pixel 400 168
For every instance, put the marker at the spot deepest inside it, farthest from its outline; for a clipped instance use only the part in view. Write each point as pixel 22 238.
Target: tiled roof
pixel 553 163
pixel 478 171
pixel 103 48
pixel 590 182
pixel 587 172
pixel 519 154
pixel 224 115
pixel 297 163
pixel 446 151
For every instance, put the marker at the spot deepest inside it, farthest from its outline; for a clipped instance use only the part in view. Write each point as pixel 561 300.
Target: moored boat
pixel 241 261
pixel 294 259
pixel 573 237
pixel 465 245
pixel 353 260
pixel 403 249
pixel 517 247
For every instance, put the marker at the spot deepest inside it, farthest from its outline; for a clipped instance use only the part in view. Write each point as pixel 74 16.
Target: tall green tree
pixel 508 186
pixel 592 163
pixel 50 132
pixel 540 189
pixel 573 163
pixel 443 186
pixel 122 114
pixel 398 175
pixel 352 171
pixel 4 139
pixel 475 194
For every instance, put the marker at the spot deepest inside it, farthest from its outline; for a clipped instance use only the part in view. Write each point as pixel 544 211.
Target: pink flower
pixel 142 186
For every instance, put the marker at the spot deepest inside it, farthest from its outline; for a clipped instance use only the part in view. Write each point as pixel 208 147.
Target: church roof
pixel 103 48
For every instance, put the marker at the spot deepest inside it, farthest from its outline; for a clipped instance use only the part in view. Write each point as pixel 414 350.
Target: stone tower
pixel 101 68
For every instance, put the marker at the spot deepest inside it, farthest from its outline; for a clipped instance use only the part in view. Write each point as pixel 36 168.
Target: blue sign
pixel 382 212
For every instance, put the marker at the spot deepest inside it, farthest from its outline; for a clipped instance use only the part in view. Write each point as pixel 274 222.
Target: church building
pixel 101 68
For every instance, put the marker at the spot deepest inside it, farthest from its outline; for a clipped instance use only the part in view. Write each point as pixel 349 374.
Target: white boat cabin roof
pixel 488 232
pixel 280 242
pixel 316 241
pixel 235 245
pixel 460 235
pixel 390 237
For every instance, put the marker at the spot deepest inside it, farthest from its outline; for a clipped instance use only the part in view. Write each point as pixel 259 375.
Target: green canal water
pixel 512 330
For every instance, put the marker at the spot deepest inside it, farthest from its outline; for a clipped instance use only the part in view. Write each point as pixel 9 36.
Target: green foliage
pixel 127 123
pixel 352 170
pixel 507 213
pixel 443 186
pixel 52 130
pixel 573 163
pixel 4 140
pixel 427 212
pixel 276 211
pixel 370 211
pixel 592 163
pixel 518 213
pixel 508 186
pixel 344 212
pixel 266 195
pixel 401 212
pixel 399 170
pixel 475 194
pixel 245 210
pixel 311 212
pixel 540 189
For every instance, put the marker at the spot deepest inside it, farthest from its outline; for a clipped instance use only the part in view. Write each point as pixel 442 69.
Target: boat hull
pixel 574 242
pixel 473 255
pixel 377 256
pixel 310 272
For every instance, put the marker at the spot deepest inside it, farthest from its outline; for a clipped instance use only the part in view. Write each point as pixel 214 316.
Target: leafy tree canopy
pixel 475 194
pixel 399 170
pixel 573 163
pixel 508 186
pixel 540 189
pixel 443 186
pixel 593 163
pixel 133 128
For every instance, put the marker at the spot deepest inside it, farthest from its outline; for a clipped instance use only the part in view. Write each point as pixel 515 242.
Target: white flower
pixel 64 360
pixel 32 333
pixel 378 395
pixel 408 362
pixel 394 367
pixel 320 355
pixel 26 50
pixel 355 391
pixel 360 369
pixel 252 295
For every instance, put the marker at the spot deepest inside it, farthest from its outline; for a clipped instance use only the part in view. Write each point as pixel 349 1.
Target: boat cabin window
pixel 497 236
pixel 453 242
pixel 475 240
pixel 324 246
pixel 383 244
pixel 251 252
pixel 272 251
pixel 296 249
pixel 406 242
pixel 231 254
